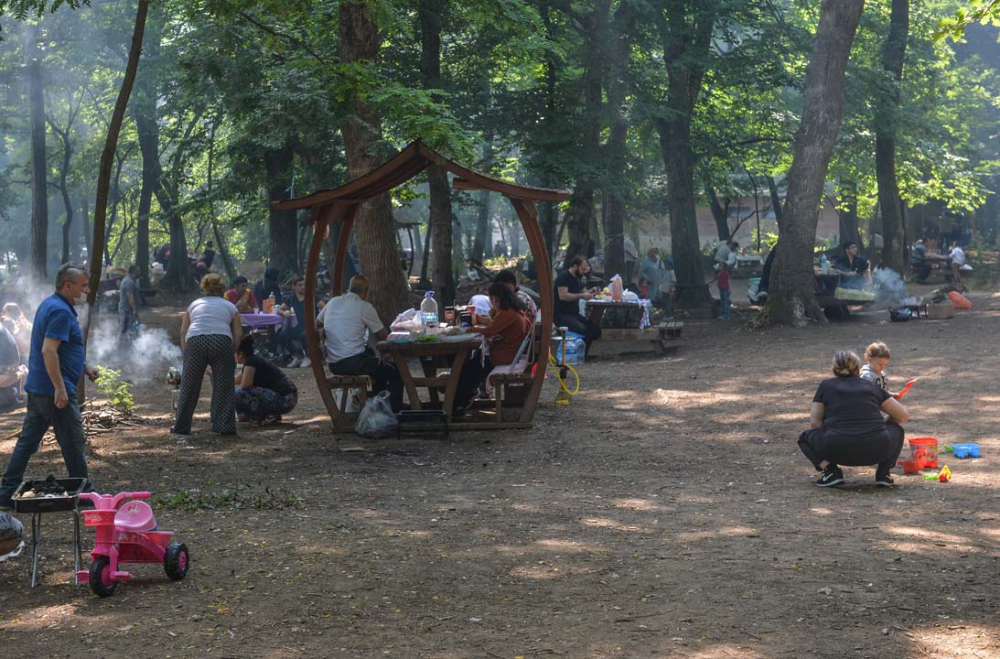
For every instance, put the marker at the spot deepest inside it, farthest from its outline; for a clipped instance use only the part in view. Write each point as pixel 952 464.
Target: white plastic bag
pixel 377 420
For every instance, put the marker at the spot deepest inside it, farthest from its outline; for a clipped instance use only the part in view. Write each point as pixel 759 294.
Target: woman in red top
pixel 504 334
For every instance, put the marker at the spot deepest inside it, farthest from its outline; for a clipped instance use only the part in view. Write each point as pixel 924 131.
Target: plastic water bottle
pixel 269 307
pixel 824 265
pixel 429 310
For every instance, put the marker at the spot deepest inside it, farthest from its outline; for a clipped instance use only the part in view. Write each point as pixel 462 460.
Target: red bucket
pixel 911 466
pixel 926 450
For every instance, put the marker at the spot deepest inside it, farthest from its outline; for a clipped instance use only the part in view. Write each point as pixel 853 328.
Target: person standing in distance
pixel 128 305
pixel 56 363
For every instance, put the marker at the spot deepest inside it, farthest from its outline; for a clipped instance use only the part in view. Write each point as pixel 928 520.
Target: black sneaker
pixel 884 480
pixel 832 476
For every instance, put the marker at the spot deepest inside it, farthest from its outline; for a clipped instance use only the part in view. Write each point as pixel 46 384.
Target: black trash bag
pixel 900 315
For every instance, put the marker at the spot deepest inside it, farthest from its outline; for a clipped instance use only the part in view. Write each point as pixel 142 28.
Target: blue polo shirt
pixel 55 319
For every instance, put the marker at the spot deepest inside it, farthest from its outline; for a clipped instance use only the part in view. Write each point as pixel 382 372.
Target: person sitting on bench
pixel 349 321
pixel 569 292
pixel 918 261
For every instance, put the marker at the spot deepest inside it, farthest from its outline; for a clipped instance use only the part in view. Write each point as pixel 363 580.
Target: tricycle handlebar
pixel 116 500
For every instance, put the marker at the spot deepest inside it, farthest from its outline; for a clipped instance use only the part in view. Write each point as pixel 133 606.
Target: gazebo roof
pixel 409 162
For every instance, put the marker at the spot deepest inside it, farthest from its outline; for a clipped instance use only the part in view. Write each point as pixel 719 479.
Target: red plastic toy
pixel 126 533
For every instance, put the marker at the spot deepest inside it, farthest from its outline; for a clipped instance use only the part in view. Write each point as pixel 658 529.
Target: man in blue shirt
pixel 54 367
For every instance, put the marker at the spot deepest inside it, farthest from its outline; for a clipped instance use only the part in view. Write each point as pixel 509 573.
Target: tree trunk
pixel 793 288
pixel 893 55
pixel 582 202
pixel 686 36
pixel 282 225
pixel 374 224
pixel 720 213
pixel 483 233
pixel 220 242
pixel 67 203
pixel 39 190
pixel 618 88
pixel 85 224
pixel 848 214
pixel 772 189
pixel 104 169
pixel 425 259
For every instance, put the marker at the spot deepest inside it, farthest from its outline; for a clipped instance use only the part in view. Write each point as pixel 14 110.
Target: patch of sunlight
pixel 989 399
pixel 990 533
pixel 637 504
pixel 543 570
pixel 605 523
pixel 727 532
pixel 570 546
pixel 527 507
pixel 821 511
pixel 924 534
pixel 957 639
pixel 724 652
pixel 403 533
pixel 39 618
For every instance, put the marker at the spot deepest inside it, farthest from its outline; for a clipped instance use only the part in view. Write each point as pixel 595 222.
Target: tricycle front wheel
pixel 176 560
pixel 100 577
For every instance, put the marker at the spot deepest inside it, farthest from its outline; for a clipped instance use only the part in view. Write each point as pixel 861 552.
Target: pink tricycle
pixel 126 533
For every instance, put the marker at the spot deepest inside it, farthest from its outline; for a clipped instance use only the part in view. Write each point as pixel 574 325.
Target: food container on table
pixel 965 450
pixel 911 466
pixel 926 449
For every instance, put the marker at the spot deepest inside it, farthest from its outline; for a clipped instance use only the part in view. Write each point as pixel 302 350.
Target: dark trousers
pixel 923 271
pixel 384 376
pixel 42 414
pixel 292 341
pixel 125 327
pixel 590 330
pixel 473 375
pixel 880 448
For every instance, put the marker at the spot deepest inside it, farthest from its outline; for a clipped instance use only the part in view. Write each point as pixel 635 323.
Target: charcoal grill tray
pixel 73 487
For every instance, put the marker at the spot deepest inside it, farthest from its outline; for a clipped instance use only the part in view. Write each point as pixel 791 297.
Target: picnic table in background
pixel 660 337
pixel 434 355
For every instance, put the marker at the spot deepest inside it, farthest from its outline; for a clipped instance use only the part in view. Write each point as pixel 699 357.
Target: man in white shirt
pixel 349 322
pixel 957 258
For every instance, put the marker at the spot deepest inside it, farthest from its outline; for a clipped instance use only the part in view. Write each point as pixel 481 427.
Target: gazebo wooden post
pixel 527 212
pixel 321 218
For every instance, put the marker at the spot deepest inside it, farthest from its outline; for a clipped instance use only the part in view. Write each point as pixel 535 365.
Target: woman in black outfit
pixel 263 392
pixel 847 427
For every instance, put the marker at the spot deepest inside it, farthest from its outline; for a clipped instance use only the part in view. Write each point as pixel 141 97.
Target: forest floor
pixel 666 512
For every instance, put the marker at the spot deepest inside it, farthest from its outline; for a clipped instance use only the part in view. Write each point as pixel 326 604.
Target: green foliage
pixel 109 381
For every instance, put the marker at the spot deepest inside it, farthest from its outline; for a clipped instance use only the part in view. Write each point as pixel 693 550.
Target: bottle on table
pixel 429 310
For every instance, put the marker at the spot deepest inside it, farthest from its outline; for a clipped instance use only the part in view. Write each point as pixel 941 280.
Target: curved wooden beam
pixel 321 218
pixel 528 214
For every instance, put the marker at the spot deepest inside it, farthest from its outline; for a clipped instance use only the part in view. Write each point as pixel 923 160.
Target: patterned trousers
pixel 257 403
pixel 215 350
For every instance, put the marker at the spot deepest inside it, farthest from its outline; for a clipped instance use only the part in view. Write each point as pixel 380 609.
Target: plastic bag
pixel 958 300
pixel 377 420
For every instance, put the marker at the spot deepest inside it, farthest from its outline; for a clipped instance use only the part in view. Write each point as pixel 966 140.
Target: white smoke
pixel 890 289
pixel 149 356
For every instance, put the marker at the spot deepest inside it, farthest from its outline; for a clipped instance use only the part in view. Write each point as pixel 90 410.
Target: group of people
pixel 921 266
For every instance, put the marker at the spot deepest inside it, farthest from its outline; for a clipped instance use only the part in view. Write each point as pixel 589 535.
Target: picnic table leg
pixel 430 367
pixel 596 313
pixel 456 372
pixel 408 384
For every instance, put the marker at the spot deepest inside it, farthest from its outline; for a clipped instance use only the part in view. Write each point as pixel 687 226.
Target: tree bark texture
pixel 772 190
pixel 431 15
pixel 282 225
pixel 685 30
pixel 893 56
pixel 793 288
pixel 720 213
pixel 374 224
pixel 618 88
pixel 64 188
pixel 848 213
pixel 483 224
pixel 39 187
pixel 595 61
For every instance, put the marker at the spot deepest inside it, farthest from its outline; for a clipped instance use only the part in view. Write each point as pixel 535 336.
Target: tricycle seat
pixel 135 516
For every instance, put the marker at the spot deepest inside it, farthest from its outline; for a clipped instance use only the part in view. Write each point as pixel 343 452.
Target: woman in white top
pixel 957 259
pixel 209 333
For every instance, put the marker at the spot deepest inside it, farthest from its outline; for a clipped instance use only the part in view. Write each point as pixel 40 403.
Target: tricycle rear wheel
pixel 96 578
pixel 176 560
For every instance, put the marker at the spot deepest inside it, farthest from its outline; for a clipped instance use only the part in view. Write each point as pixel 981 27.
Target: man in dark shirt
pixel 208 256
pixel 569 292
pixel 293 339
pixel 854 269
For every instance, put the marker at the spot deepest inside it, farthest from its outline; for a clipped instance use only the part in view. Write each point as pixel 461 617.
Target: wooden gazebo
pixel 341 205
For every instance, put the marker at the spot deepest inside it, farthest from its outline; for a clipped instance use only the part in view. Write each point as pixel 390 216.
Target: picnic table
pixel 634 330
pixel 433 355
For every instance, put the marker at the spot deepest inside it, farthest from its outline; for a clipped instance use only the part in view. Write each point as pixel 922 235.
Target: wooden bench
pixel 663 337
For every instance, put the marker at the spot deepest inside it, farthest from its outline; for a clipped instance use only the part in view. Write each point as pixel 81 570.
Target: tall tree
pixel 793 290
pixel 431 15
pixel 685 29
pixel 282 225
pixel 374 224
pixel 893 56
pixel 618 89
pixel 39 168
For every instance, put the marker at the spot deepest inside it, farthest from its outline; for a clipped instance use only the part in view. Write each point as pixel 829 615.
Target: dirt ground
pixel 666 512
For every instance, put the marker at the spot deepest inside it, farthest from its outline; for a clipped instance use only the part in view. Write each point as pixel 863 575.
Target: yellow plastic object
pixel 945 474
pixel 564 395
